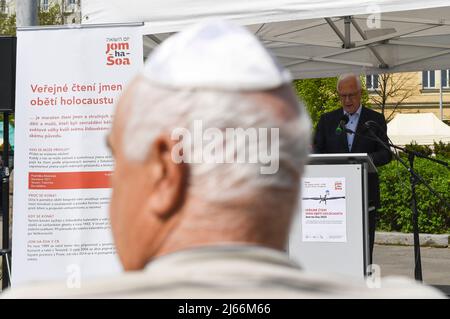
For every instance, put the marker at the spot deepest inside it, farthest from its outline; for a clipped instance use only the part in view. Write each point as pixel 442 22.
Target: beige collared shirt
pixel 227 272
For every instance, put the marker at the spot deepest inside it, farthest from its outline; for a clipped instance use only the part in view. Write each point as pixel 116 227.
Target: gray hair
pixel 346 76
pixel 156 109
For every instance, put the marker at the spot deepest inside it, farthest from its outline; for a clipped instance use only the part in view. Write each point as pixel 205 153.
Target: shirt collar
pixel 358 112
pixel 195 257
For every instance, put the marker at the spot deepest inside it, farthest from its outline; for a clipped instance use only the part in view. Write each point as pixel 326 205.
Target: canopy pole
pixel 347 24
pixel 335 29
pixel 382 64
pixel 26 13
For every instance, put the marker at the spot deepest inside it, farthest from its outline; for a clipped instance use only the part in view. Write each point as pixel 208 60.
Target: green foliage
pixel 396 215
pixel 7 24
pixel 320 96
pixel 423 149
pixel 53 16
pixel 11 119
pixel 438 149
pixel 442 149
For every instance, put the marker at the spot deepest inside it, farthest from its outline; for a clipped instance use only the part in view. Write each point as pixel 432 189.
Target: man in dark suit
pixel 328 140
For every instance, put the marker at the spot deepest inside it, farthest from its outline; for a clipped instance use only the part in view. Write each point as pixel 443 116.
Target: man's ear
pixel 167 178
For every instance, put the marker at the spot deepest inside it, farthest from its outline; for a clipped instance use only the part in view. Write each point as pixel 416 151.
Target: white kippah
pixel 215 54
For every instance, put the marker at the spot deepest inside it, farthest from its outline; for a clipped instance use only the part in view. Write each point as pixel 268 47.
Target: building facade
pixel 7 7
pixel 411 92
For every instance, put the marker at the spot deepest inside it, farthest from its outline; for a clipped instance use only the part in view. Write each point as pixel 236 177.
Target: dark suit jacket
pixel 327 141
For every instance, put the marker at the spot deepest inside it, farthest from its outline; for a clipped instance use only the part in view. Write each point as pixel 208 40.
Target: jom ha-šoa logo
pixel 118 51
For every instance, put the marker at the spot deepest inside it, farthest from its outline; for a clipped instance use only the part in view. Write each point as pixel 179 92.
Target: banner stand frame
pixel 6 242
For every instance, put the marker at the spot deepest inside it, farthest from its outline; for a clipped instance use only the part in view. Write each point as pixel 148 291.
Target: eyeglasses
pixel 350 96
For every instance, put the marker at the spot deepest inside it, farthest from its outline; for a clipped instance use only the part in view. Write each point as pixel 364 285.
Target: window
pixel 428 79
pixel 445 76
pixel 3 6
pixel 372 82
pixel 71 5
pixel 45 5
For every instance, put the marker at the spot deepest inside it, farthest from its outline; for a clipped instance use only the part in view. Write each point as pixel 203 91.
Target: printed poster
pixel 323 208
pixel 68 82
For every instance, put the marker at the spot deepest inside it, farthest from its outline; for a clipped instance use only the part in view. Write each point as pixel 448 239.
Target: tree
pixel 393 90
pixel 53 16
pixel 320 96
pixel 7 24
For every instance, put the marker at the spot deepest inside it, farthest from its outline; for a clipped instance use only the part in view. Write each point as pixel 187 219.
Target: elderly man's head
pixel 349 90
pixel 160 205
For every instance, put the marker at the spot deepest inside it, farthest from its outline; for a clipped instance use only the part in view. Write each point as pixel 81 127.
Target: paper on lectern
pixel 323 209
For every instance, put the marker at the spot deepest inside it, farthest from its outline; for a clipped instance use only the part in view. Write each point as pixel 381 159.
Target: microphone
pixel 371 124
pixel 341 126
pixel 375 127
pixel 368 126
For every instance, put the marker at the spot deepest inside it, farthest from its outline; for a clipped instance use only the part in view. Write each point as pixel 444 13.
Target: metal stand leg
pixel 415 220
pixel 5 253
pixel 9 269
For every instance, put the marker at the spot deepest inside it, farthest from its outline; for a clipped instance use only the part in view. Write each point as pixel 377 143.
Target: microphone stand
pixel 414 179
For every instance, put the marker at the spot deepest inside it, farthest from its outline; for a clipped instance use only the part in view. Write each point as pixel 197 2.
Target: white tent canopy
pixel 423 128
pixel 313 38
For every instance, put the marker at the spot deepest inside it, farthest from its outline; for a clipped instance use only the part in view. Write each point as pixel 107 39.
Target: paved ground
pixel 399 260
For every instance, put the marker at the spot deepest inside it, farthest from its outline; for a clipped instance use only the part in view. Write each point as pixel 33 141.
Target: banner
pixel 68 82
pixel 323 209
